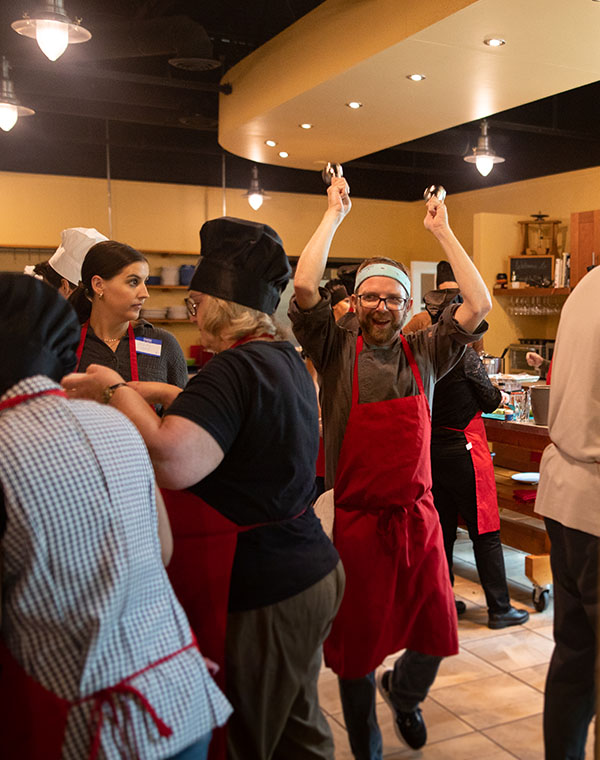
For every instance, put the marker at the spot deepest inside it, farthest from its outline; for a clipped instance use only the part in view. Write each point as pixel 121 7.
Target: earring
pixel 100 294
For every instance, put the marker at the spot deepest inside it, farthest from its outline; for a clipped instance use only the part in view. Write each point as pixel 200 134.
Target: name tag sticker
pixel 150 346
pixel 469 446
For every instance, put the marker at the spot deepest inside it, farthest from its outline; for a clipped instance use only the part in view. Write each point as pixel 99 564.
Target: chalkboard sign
pixel 537 271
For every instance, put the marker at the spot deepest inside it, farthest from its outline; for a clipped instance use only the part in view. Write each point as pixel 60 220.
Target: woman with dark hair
pixel 108 303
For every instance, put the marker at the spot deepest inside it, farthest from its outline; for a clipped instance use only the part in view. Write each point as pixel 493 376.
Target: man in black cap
pixel 242 438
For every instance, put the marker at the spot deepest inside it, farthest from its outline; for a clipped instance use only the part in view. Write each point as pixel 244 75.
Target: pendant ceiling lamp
pixel 52 29
pixel 10 108
pixel 483 156
pixel 255 195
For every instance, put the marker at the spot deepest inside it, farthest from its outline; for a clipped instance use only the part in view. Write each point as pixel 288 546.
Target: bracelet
pixel 109 391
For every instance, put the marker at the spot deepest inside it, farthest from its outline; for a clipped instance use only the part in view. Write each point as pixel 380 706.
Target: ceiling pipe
pixel 181 38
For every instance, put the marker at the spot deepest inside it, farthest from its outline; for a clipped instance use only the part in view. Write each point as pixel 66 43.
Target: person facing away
pixel 375 394
pixel 463 473
pixel 568 500
pixel 96 653
pixel 242 440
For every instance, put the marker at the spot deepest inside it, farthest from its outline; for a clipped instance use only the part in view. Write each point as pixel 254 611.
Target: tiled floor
pixel 487 701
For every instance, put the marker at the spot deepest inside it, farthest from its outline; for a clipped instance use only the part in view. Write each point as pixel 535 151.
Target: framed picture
pixel 537 271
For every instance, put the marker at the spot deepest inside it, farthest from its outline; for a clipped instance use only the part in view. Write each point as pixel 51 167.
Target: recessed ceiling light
pixel 494 41
pixel 283 154
pixel 306 125
pixel 416 77
pixel 270 143
pixel 354 104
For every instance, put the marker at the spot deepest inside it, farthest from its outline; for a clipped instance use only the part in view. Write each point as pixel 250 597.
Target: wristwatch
pixel 108 392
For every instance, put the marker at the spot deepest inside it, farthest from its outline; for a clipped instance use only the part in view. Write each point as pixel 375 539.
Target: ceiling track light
pixel 10 107
pixel 255 195
pixel 483 156
pixel 52 29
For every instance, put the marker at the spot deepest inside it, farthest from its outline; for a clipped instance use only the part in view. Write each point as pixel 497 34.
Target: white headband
pixel 383 270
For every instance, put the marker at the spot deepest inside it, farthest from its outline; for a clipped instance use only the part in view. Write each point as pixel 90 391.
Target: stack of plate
pixel 154 313
pixel 177 312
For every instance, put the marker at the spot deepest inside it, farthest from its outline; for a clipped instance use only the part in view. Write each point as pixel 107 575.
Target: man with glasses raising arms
pixel 376 393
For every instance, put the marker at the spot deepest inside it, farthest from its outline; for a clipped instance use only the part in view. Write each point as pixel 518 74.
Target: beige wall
pixel 164 217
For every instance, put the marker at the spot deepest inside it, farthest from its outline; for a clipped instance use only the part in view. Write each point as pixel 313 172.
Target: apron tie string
pixel 108 696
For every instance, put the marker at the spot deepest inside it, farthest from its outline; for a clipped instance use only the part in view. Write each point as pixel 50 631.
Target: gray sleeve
pixel 441 345
pixel 317 332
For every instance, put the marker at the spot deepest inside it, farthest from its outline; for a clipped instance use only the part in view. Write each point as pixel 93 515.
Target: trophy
pixel 437 191
pixel 330 171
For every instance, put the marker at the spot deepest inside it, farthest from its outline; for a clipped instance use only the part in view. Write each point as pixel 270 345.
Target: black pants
pixel 412 676
pixel 570 685
pixel 454 494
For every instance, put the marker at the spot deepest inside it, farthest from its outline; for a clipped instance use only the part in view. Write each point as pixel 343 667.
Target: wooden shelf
pixel 501 292
pixel 169 321
pixel 167 287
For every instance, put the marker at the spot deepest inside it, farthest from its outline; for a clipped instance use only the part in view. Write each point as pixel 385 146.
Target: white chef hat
pixel 68 257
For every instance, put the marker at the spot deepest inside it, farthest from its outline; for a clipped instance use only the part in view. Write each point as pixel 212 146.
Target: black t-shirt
pixel 258 402
pixel 458 396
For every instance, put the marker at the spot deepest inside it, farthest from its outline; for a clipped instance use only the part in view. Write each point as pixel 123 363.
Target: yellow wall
pixel 164 217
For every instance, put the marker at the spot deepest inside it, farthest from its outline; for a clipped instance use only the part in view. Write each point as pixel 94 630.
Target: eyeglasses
pixel 372 301
pixel 191 306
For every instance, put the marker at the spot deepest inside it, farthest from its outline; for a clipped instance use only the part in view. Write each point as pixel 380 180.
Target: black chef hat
pixel 444 273
pixel 243 262
pixel 338 291
pixel 347 275
pixel 39 331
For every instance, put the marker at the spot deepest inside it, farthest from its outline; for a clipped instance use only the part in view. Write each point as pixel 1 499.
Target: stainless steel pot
pixel 492 364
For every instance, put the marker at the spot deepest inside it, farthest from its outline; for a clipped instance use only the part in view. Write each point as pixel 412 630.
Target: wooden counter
pixel 518 447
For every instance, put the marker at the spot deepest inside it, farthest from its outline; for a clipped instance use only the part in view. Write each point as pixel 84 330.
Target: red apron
pixel 33 720
pixel 388 535
pixel 200 573
pixel 133 365
pixel 488 518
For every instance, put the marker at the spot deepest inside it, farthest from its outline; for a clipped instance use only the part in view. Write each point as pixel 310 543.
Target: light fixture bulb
pixel 255 195
pixel 483 156
pixel 416 77
pixel 354 105
pixel 484 164
pixel 52 29
pixel 305 125
pixel 270 143
pixel 494 41
pixel 255 200
pixel 283 154
pixel 8 116
pixel 52 37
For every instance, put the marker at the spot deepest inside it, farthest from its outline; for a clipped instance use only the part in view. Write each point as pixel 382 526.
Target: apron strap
pixel 476 416
pixel 16 400
pixel 411 362
pixel 413 365
pixel 133 363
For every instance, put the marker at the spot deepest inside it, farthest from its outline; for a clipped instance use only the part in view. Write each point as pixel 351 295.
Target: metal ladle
pixel 439 191
pixel 331 170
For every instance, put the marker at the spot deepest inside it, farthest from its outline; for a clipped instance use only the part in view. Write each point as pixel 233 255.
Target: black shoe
pixel 461 607
pixel 504 619
pixel 409 726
